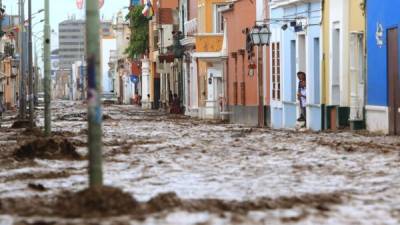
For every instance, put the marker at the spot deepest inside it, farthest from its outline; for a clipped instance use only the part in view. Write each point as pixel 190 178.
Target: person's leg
pixel 303 113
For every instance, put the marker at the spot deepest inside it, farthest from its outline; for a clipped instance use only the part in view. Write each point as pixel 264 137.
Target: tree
pixel 139 40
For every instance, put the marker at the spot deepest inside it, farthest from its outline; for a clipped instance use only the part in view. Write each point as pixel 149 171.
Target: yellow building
pixel 210 57
pixel 343 78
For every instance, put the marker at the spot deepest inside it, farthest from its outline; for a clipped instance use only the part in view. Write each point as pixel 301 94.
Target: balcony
pixel 283 3
pixel 190 27
pixel 209 42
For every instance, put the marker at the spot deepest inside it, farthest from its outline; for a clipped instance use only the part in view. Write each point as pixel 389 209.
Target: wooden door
pixel 393 82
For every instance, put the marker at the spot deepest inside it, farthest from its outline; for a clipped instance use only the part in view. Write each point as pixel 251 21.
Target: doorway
pixel 393 81
pixel 336 66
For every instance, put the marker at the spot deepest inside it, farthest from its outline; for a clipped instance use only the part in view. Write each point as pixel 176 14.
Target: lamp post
pixel 260 36
pixel 22 95
pixel 47 69
pixel 30 67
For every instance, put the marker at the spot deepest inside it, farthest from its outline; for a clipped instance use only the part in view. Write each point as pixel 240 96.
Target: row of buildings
pixel 11 45
pixel 119 74
pixel 203 51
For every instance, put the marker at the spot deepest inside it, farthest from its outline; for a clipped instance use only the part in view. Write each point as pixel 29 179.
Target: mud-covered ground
pixel 176 170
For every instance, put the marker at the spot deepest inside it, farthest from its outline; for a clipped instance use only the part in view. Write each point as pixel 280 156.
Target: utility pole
pixel 94 82
pixel 30 67
pixel 22 95
pixel 36 73
pixel 47 69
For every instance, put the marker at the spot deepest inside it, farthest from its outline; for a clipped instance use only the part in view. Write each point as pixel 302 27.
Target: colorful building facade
pixel 295 46
pixel 343 80
pixel 241 85
pixel 210 56
pixel 188 26
pixel 383 89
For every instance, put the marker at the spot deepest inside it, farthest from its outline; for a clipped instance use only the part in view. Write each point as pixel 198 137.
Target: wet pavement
pixel 245 175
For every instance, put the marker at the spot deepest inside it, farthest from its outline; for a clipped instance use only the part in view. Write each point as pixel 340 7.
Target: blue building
pixel 295 46
pixel 383 82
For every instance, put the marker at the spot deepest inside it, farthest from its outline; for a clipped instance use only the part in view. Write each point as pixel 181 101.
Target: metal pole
pixel 47 69
pixel 36 84
pixel 260 88
pixel 94 106
pixel 22 95
pixel 30 67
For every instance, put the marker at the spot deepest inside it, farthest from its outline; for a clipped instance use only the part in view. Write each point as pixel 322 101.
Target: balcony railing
pixel 191 27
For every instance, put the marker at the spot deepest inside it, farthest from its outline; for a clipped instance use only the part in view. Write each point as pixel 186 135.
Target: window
pixel 276 71
pixel 218 19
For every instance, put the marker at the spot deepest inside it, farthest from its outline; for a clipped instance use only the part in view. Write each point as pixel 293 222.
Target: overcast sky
pixel 60 10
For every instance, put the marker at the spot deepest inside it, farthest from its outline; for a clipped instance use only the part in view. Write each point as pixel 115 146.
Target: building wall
pixel 72 40
pixel 192 9
pixel 107 45
pixel 383 14
pixel 7 83
pixel 299 51
pixel 339 18
pixel 205 14
pixel 242 102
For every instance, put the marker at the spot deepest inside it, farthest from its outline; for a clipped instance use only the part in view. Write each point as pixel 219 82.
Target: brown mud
pixel 109 202
pixel 47 148
pixel 95 202
pixel 38 176
pixel 349 146
pixel 19 124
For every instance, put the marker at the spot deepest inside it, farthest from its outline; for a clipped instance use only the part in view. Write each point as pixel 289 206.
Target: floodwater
pixel 267 176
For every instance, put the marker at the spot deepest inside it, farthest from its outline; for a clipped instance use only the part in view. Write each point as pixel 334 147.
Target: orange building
pixel 242 69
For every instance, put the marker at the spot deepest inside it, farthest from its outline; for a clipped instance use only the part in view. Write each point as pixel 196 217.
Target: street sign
pixel 135 2
pixel 134 79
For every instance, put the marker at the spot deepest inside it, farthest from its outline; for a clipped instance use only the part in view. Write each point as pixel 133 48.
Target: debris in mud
pixel 242 133
pixel 354 146
pixel 95 202
pixel 106 117
pixel 80 117
pixel 37 132
pixel 64 133
pixel 47 148
pixel 74 117
pixel 37 187
pixel 21 124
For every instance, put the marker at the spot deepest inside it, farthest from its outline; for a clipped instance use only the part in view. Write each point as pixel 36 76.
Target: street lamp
pixel 14 66
pixel 260 36
pixel 41 21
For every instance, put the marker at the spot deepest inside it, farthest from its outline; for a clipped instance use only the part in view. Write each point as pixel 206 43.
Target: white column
pixel 146 103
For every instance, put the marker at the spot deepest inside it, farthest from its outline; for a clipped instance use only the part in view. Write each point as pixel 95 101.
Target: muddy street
pixel 176 170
